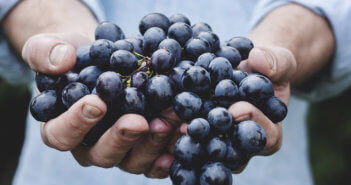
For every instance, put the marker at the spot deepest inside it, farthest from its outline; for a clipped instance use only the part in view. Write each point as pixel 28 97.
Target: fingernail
pixel 263 55
pixel 58 54
pixel 91 112
pixel 242 118
pixel 159 138
pixel 132 134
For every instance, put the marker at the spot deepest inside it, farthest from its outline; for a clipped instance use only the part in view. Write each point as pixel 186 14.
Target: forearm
pixel 307 35
pixel 32 17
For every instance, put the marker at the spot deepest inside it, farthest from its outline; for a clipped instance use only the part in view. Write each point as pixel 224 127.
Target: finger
pixel 179 132
pixel 52 53
pixel 68 130
pixel 161 166
pixel 171 117
pixel 145 152
pixel 242 111
pixel 115 143
pixel 277 63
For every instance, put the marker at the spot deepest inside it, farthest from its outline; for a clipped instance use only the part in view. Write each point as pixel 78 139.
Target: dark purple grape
pixel 216 149
pixel 154 20
pixel 231 54
pixel 185 176
pixel 139 80
pixel 123 62
pixel 187 151
pixel 185 64
pixel 275 109
pixel 238 76
pixel 243 45
pixel 200 27
pixel 187 105
pixel 216 174
pixel 176 75
pixel 175 166
pixel 73 92
pixel 220 69
pixel 211 38
pixel 220 119
pixel 199 129
pixel 173 46
pixel 83 58
pixel 133 101
pixel 162 61
pixel 249 137
pixel 46 82
pixel 197 80
pixel 45 106
pixel 159 92
pixel 152 38
pixel 180 32
pixel 109 86
pixel 100 52
pixel 256 89
pixel 123 45
pixel 204 60
pixel 226 93
pixel 179 18
pixel 207 106
pixel 195 47
pixel 109 31
pixel 67 78
pixel 89 75
pixel 137 43
pixel 235 158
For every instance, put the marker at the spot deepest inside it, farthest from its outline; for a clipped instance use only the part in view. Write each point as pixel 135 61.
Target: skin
pixel 286 52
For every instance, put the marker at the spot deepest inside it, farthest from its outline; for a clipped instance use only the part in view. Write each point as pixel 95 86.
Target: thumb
pixel 277 63
pixel 52 53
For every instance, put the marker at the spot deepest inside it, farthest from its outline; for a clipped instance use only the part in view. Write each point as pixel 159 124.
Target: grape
pixel 199 129
pixel 160 91
pixel 250 137
pixel 184 176
pixel 133 101
pixel 137 43
pixel 185 64
pixel 109 31
pixel 67 78
pixel 109 86
pixel 242 44
pixel 179 18
pixel 45 106
pixel 123 45
pixel 220 119
pixel 200 27
pixel 216 174
pixel 197 80
pixel 176 75
pixel 220 69
pixel 216 149
pixel 162 61
pixel 238 76
pixel 275 109
pixel 256 89
pixel 89 75
pixel 73 92
pixel 173 46
pixel 231 54
pixel 180 32
pixel 207 106
pixel 83 58
pixel 226 93
pixel 204 60
pixel 123 62
pixel 195 47
pixel 100 52
pixel 211 38
pixel 187 105
pixel 187 151
pixel 152 38
pixel 46 82
pixel 235 158
pixel 139 80
pixel 154 20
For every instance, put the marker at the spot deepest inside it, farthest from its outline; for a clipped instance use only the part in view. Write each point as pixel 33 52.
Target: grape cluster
pixel 171 64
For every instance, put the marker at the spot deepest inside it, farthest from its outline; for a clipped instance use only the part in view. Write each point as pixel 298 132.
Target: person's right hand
pixel 54 53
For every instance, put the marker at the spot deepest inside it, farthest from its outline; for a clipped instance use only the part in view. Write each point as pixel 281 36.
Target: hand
pixel 279 65
pixel 144 143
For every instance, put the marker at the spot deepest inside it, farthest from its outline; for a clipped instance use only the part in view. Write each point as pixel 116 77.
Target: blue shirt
pixel 41 165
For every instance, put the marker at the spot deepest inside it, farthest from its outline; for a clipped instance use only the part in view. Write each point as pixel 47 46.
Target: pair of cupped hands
pixel 133 144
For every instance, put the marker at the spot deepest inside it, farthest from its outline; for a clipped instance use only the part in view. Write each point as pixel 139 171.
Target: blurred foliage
pixel 329 125
pixel 13 110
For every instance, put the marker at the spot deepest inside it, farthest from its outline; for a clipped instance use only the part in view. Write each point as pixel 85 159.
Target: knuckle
pixel 59 144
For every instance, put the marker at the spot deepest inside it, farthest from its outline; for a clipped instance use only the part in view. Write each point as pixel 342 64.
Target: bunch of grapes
pixel 170 64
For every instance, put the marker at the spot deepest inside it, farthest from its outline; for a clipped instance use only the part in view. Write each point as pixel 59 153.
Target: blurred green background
pixel 329 125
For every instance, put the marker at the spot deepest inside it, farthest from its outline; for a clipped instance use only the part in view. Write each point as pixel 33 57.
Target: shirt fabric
pixel 41 165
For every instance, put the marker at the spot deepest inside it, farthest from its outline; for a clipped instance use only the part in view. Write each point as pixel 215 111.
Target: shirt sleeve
pixel 336 77
pixel 12 68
